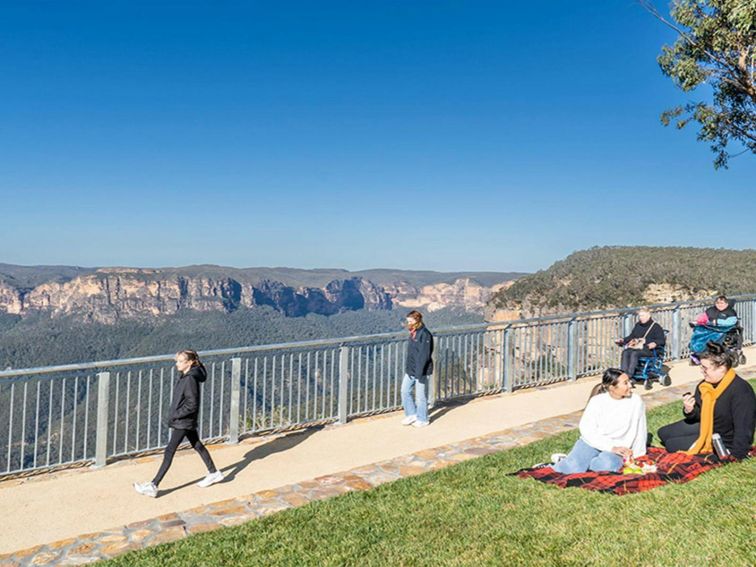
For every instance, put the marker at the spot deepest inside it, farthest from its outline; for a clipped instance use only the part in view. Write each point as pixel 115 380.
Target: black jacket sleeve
pixel 743 421
pixel 189 405
pixel 695 415
pixel 636 333
pixel 656 336
pixel 423 359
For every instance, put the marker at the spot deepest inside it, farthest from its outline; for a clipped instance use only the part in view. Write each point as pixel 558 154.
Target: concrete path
pixel 66 504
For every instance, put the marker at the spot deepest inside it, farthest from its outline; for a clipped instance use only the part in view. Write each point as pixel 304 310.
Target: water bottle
pixel 719 446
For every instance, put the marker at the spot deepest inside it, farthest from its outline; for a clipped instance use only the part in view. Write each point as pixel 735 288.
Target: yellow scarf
pixel 709 395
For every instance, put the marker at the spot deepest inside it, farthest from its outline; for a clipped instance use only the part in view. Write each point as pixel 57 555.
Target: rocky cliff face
pixel 464 293
pixel 110 294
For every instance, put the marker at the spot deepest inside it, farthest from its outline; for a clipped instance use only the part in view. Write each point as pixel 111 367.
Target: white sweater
pixel 608 423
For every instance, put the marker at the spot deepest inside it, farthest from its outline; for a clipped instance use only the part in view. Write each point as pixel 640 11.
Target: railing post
pixel 343 384
pixel 627 326
pixel 432 383
pixel 103 402
pixel 233 424
pixel 572 349
pixel 506 361
pixel 676 332
pixel 753 321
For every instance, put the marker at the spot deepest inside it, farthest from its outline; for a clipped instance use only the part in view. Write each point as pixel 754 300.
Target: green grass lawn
pixel 473 514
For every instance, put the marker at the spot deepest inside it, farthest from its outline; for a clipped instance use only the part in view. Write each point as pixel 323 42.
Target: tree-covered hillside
pixel 41 340
pixel 618 276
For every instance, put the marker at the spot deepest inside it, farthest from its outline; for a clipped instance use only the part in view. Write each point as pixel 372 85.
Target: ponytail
pixel 191 356
pixel 610 378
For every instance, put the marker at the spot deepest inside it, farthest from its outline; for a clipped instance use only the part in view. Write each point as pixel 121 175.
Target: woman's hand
pixel 689 402
pixel 652 346
pixel 623 452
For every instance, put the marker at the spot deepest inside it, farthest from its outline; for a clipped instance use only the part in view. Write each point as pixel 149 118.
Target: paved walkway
pixel 268 475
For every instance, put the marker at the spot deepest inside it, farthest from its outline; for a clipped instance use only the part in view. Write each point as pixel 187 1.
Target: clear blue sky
pixel 461 135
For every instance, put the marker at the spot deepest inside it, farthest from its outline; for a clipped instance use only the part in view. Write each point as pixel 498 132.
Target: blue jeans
pixel 419 405
pixel 584 458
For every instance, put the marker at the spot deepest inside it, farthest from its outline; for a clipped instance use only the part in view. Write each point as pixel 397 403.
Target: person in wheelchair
pixel 646 336
pixel 721 314
pixel 719 324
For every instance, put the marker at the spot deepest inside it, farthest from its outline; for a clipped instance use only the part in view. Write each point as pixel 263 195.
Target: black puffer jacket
pixel 714 314
pixel 419 354
pixel 186 399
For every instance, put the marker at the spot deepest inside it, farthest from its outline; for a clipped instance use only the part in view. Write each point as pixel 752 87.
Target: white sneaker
pixel 211 478
pixel 421 423
pixel 146 488
pixel 556 457
pixel 409 420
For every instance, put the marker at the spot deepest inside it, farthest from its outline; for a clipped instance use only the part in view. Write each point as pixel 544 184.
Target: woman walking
pixel 182 419
pixel 418 367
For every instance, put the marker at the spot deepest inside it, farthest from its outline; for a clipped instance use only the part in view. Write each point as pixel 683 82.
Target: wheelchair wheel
pixel 665 380
pixel 742 358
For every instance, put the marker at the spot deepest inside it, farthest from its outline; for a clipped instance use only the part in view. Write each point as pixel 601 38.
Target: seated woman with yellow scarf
pixel 723 403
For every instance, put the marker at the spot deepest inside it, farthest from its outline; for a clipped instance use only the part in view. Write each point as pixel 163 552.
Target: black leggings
pixel 630 358
pixel 679 436
pixel 177 436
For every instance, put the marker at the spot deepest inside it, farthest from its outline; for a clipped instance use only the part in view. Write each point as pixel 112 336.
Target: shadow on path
pixel 441 410
pixel 258 452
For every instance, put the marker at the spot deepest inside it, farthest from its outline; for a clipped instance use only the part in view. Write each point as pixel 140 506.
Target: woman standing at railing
pixel 182 420
pixel 418 367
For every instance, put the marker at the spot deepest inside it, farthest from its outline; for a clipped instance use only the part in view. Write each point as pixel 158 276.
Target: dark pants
pixel 630 358
pixel 679 436
pixel 177 436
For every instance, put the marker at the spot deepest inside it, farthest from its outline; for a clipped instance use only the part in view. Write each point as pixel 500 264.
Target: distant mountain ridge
pixel 109 294
pixel 621 276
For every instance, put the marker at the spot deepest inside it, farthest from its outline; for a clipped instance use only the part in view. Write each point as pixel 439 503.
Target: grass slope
pixel 473 514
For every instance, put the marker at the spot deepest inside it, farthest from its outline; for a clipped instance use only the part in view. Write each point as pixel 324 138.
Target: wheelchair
pixel 731 338
pixel 650 369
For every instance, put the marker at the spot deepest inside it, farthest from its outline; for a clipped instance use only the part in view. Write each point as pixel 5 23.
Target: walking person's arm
pixel 424 354
pixel 191 399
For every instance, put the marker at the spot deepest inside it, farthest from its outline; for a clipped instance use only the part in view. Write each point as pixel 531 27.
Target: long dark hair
pixel 610 378
pixel 717 353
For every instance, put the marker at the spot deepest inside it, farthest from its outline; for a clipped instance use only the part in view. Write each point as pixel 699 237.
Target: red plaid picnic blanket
pixel 670 467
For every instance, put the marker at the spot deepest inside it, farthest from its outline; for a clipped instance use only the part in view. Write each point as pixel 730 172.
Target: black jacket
pixel 734 416
pixel 655 335
pixel 186 399
pixel 419 351
pixel 713 313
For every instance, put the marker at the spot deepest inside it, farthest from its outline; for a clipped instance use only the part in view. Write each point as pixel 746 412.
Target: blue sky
pixel 462 135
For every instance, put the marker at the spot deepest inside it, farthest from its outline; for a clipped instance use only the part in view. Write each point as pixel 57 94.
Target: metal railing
pixel 89 413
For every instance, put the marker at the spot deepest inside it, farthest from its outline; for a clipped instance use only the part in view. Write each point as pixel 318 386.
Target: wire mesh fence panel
pixel 47 421
pixel 376 371
pixel 285 389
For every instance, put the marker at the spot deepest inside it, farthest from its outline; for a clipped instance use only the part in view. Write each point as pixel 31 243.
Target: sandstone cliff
pixel 110 294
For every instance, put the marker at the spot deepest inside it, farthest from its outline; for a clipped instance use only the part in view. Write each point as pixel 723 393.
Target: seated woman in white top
pixel 612 428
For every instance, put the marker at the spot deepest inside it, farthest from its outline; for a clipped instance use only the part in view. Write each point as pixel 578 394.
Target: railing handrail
pixel 342 341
